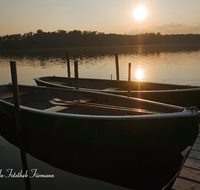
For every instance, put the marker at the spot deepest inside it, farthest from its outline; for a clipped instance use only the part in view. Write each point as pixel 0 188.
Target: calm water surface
pixel 166 64
pixel 178 64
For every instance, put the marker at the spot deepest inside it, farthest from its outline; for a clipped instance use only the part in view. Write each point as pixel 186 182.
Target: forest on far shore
pixel 77 38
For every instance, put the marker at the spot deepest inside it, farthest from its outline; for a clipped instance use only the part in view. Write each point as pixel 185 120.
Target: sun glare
pixel 140 13
pixel 139 74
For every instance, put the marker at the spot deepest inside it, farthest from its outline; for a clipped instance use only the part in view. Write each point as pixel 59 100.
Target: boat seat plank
pixel 126 110
pixel 59 109
pixel 110 89
pixel 86 99
pixel 9 94
pixel 65 108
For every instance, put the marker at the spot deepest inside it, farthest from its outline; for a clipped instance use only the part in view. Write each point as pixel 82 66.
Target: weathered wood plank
pixel 198 140
pixel 192 163
pixel 196 147
pixel 58 109
pixel 59 102
pixel 182 184
pixel 9 94
pixel 189 177
pixel 190 174
pixel 86 99
pixel 194 154
pixel 111 89
pixel 65 108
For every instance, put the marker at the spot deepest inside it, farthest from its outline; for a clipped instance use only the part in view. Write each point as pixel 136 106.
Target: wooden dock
pixel 189 177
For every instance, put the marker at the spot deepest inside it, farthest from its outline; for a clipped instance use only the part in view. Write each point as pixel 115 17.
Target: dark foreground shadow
pixel 134 169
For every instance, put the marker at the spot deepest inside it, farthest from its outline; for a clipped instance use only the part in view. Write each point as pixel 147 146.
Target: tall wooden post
pixel 76 74
pixel 68 65
pixel 18 122
pixel 129 79
pixel 117 66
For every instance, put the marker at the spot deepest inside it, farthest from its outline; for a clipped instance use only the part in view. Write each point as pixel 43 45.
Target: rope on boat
pixel 194 108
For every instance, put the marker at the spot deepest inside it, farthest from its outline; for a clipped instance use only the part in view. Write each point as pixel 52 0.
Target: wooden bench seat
pixel 62 109
pixel 9 94
pixel 110 89
pixel 58 109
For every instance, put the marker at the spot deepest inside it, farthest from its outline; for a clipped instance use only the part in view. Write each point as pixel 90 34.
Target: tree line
pixel 77 38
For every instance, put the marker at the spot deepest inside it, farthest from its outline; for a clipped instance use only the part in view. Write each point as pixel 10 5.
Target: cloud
pixel 168 28
pixel 195 27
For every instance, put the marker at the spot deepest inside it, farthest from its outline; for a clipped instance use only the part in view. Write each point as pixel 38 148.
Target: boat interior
pixel 82 102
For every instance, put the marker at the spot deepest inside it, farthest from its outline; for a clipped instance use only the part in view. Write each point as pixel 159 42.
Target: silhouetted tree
pixel 77 38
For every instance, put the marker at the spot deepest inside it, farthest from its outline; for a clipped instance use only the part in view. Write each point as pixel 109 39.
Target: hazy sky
pixel 108 16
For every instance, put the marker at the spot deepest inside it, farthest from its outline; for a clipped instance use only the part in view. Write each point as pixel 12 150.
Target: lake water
pixel 175 64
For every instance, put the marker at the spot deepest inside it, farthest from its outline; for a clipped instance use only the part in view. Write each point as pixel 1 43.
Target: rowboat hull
pixel 105 145
pixel 182 95
pixel 126 167
pixel 103 128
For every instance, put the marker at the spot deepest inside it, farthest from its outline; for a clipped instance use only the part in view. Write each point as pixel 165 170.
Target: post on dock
pixel 117 65
pixel 68 65
pixel 18 121
pixel 76 74
pixel 129 79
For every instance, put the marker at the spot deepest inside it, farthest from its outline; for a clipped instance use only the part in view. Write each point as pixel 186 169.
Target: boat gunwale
pixel 192 88
pixel 183 113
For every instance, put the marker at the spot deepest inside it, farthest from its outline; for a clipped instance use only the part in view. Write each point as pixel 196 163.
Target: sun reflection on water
pixel 139 74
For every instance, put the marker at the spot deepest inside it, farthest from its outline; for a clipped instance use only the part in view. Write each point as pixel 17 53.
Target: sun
pixel 139 74
pixel 140 13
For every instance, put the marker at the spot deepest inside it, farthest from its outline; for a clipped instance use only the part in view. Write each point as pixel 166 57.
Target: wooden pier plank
pixel 192 163
pixel 198 140
pixel 196 147
pixel 194 154
pixel 189 177
pixel 183 184
pixel 190 174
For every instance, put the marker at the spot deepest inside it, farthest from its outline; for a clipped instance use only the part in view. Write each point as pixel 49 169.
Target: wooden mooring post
pixel 68 65
pixel 129 79
pixel 76 74
pixel 117 66
pixel 18 122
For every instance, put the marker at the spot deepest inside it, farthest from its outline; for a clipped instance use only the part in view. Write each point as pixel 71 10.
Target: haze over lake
pixel 176 64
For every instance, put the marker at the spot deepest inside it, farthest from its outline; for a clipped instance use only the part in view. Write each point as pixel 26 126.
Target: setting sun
pixel 140 13
pixel 139 74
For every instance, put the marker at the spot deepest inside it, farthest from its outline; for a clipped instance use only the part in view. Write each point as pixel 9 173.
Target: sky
pixel 108 16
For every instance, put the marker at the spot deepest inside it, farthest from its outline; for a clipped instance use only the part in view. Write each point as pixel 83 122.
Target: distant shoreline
pixel 101 47
pixel 88 39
